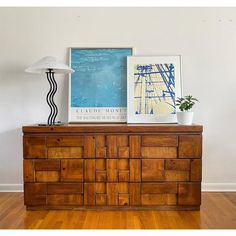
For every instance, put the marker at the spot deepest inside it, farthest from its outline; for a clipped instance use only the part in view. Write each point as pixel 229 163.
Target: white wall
pixel 205 37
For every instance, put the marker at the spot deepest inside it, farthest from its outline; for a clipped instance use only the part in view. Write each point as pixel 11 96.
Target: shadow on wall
pixel 11 156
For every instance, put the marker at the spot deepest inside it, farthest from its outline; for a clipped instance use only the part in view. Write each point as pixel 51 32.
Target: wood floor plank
pixel 218 211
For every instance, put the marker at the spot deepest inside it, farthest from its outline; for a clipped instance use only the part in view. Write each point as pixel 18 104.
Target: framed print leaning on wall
pixel 153 84
pixel 98 87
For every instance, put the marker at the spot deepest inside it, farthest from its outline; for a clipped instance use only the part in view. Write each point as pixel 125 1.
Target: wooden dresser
pixel 113 166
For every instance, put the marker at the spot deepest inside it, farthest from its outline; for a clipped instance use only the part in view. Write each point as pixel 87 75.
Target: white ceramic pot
pixel 185 117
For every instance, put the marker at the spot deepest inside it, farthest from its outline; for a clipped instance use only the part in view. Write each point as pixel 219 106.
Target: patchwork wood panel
pixel 159 140
pixel 153 170
pixel 89 147
pixel 89 194
pixel 123 164
pixel 101 199
pixel 113 170
pixel 34 147
pixel 111 146
pixel 189 194
pixel 159 199
pixel 47 176
pixel 190 146
pixel 47 165
pixel 35 194
pixel 123 152
pixel 100 141
pixel 123 176
pixel 28 169
pixel 71 170
pixel 89 170
pixel 196 170
pixel 123 199
pixel 176 175
pixel 100 152
pixel 122 141
pixel 112 194
pixel 177 164
pixel 135 146
pixel 150 188
pixel 65 152
pixel 134 191
pixel 101 176
pixel 65 188
pixel 159 152
pixel 65 141
pixel 65 200
pixel 135 170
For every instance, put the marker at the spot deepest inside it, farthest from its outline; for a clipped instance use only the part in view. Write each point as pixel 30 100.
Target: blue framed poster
pixel 98 87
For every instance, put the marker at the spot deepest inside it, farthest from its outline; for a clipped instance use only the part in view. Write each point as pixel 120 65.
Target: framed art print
pixel 154 83
pixel 98 87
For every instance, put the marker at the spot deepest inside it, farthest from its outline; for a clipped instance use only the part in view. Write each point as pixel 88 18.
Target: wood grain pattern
pixel 65 200
pixel 159 199
pixel 114 128
pixel 123 199
pixel 34 147
pixel 89 147
pixel 111 146
pixel 177 164
pixel 123 152
pixel 28 169
pixel 35 194
pixel 153 170
pixel 47 165
pixel 65 188
pixel 89 194
pixel 159 152
pixel 112 194
pixel 149 188
pixel 89 170
pixel 189 194
pixel 196 170
pixel 65 141
pixel 65 152
pixel 72 170
pixel 47 176
pixel 190 146
pixel 218 211
pixel 135 146
pixel 159 140
pixel 176 175
pixel 134 190
pixel 135 170
pixel 123 176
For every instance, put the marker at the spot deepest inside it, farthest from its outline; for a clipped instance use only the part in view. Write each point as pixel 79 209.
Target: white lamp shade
pixel 46 63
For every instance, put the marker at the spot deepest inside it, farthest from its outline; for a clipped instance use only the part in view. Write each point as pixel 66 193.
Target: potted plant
pixel 185 116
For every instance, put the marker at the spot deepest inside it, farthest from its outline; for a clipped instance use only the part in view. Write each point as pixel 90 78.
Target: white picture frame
pixel 153 85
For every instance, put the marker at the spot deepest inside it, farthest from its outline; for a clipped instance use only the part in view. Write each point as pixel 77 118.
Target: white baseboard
pixel 218 187
pixel 11 187
pixel 206 187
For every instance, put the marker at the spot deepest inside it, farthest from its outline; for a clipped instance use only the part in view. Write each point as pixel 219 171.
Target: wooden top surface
pixel 114 128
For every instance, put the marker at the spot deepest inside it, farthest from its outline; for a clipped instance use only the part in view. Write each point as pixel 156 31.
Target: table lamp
pixel 50 66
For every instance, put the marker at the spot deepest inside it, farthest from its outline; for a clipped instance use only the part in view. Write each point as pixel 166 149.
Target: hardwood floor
pixel 218 211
